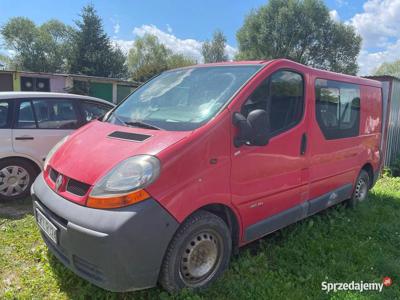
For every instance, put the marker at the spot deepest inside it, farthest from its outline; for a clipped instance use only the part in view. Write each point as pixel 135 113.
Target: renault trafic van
pixel 202 160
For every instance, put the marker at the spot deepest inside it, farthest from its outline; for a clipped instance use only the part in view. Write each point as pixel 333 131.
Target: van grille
pixel 53 175
pixel 73 186
pixel 77 188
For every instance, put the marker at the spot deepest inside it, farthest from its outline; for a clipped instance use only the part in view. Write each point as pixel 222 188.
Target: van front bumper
pixel 117 249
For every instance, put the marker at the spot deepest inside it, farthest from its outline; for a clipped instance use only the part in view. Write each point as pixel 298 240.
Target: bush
pixel 396 167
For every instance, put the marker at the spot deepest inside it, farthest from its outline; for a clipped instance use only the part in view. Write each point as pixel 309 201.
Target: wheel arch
pixel 36 166
pixel 228 215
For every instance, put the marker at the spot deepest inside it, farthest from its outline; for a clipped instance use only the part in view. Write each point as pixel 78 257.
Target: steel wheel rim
pixel 201 258
pixel 361 190
pixel 14 180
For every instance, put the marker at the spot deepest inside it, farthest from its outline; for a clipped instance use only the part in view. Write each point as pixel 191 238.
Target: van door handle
pixel 24 138
pixel 303 145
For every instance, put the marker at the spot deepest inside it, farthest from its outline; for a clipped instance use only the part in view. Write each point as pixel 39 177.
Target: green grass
pixel 339 245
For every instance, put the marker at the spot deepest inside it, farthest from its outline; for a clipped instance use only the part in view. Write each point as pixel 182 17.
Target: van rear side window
pixel 337 108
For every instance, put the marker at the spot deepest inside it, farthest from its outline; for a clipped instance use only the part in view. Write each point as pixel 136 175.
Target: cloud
pixel 169 28
pixel 341 3
pixel 116 28
pixel 188 47
pixel 370 61
pixel 378 25
pixel 334 15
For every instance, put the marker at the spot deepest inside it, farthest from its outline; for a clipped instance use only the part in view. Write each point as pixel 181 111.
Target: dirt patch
pixel 15 209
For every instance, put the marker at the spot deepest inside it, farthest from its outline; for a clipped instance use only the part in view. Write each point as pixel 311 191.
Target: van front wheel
pixel 198 254
pixel 361 189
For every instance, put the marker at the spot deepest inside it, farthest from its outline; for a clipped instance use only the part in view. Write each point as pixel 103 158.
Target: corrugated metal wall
pixel 393 137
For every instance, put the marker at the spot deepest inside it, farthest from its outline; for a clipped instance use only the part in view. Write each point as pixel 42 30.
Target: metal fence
pixel 393 135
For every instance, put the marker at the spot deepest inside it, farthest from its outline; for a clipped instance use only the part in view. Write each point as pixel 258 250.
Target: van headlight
pixel 54 150
pixel 123 185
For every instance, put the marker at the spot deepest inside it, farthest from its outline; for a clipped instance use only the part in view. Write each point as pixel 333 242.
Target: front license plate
pixel 48 228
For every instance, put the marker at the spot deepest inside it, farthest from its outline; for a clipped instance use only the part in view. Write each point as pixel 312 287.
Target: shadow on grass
pixel 15 209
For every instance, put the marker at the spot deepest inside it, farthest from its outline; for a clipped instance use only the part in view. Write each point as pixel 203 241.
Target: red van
pixel 201 160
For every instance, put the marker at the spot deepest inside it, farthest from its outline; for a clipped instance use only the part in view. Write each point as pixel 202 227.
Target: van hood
pixel 93 150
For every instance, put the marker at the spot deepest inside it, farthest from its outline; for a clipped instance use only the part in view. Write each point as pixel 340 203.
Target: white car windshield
pixel 182 99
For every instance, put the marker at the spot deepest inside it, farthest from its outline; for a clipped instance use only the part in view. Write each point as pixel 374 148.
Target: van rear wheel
pixel 198 254
pixel 361 189
pixel 16 178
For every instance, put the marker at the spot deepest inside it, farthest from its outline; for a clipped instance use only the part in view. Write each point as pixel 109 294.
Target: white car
pixel 31 123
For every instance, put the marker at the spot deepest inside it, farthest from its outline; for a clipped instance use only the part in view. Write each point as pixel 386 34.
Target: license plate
pixel 48 228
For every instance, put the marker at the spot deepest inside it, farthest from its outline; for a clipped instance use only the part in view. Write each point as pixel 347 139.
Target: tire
pixel 360 189
pixel 16 178
pixel 198 254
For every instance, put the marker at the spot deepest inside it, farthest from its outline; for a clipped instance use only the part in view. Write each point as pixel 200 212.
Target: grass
pixel 339 245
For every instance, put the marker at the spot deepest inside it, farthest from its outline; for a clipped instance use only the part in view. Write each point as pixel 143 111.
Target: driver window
pixel 282 96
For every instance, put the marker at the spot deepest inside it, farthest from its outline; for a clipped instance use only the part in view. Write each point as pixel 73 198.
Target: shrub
pixel 396 167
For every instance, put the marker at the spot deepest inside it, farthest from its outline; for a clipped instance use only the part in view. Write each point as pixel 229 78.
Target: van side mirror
pixel 253 130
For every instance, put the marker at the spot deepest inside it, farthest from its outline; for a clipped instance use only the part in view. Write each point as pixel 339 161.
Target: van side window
pixel 4 114
pixel 337 108
pixel 282 96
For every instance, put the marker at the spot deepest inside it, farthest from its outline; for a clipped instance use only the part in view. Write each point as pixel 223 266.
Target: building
pixel 391 96
pixel 110 89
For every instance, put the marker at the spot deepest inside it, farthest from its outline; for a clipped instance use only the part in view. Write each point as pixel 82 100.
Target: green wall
pixel 101 90
pixel 123 91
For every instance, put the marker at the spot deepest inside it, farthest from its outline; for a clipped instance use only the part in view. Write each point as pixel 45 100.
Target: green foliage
pixel 396 167
pixel 92 52
pixel 301 30
pixel 148 57
pixel 38 48
pixel 339 245
pixel 5 62
pixel 387 68
pixel 214 51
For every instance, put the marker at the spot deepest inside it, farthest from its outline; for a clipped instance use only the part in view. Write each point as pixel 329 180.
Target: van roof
pixel 15 95
pixel 316 72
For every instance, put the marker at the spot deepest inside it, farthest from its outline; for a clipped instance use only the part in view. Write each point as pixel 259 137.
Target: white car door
pixel 5 128
pixel 41 123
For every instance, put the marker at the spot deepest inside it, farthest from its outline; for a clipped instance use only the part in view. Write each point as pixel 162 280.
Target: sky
pixel 183 25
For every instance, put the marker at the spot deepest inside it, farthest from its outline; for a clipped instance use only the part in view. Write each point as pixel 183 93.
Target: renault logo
pixel 59 182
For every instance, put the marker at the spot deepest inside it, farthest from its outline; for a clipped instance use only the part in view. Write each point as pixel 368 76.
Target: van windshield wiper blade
pixel 142 124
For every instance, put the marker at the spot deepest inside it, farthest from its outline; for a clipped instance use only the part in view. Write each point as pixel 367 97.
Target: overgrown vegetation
pixel 396 167
pixel 339 245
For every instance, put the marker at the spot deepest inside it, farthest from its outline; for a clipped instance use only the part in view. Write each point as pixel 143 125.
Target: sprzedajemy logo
pixel 360 286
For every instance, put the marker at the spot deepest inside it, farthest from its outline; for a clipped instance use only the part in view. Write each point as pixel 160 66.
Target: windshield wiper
pixel 142 124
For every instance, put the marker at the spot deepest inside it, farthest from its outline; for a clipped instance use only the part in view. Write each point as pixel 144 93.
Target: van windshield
pixel 182 99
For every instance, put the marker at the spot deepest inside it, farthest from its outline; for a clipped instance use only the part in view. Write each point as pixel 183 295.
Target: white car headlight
pixel 134 173
pixel 54 150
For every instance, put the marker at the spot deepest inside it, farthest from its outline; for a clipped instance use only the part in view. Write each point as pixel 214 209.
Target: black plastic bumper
pixel 118 250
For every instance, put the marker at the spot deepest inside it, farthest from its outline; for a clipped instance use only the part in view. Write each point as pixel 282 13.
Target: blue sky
pixel 184 25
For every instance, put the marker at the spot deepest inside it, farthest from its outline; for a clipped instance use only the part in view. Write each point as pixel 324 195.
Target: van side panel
pixel 371 126
pixel 196 170
pixel 337 162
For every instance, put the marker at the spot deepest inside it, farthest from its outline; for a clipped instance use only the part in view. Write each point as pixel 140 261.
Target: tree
pixel 5 62
pixel 301 30
pixel 214 51
pixel 92 52
pixel 37 48
pixel 387 68
pixel 148 57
